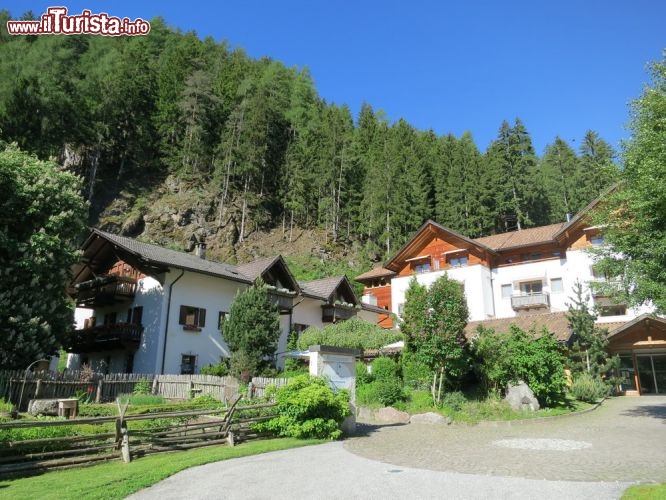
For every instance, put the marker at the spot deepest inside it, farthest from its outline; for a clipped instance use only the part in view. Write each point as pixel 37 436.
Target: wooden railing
pixel 105 290
pixel 105 338
pixel 177 430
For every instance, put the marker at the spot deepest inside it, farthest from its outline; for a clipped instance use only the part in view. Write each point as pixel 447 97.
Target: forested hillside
pixel 175 135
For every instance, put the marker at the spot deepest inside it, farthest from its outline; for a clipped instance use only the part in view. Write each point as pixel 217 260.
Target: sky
pixel 561 67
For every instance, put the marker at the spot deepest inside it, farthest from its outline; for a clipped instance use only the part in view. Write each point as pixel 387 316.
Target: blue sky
pixel 563 68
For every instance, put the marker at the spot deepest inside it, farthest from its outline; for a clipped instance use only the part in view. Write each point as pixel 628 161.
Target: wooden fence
pixel 259 385
pixel 19 387
pixel 177 430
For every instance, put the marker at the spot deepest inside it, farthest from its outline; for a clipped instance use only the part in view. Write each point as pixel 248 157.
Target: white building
pixel 526 277
pixel 147 309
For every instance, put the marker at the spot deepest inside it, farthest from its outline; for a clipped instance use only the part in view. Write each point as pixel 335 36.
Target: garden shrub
pixel 362 374
pixel 219 370
pixel 589 389
pixel 384 368
pixel 308 408
pixel 415 375
pixel 388 391
pixel 454 401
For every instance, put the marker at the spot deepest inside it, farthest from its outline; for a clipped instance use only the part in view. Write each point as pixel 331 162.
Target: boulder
pixel 386 415
pixel 429 418
pixel 520 397
pixel 43 407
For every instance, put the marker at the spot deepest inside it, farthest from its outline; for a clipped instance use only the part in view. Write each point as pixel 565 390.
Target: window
pixel 556 285
pixel 221 316
pixel 423 267
pixel 507 291
pixel 110 318
pixel 597 239
pixel 531 287
pixel 192 318
pixel 188 364
pixel 134 315
pixel 458 261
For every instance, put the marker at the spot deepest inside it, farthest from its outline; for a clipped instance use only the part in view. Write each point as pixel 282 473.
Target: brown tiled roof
pixel 256 268
pixel 377 272
pixel 556 322
pixel 524 237
pixel 324 288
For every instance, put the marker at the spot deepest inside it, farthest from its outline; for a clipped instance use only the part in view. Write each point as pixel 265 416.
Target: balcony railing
pixel 530 301
pixel 106 290
pixel 284 300
pixel 336 312
pixel 106 338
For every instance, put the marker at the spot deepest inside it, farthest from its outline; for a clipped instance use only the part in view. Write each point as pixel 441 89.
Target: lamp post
pixel 25 376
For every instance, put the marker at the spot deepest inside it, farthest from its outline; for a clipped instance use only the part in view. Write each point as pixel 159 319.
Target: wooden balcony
pixel 105 290
pixel 105 338
pixel 283 300
pixel 530 301
pixel 336 312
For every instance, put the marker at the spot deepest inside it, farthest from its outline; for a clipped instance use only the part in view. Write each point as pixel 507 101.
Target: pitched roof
pixel 152 255
pixel 524 237
pixel 270 269
pixel 325 288
pixel 556 322
pixel 424 233
pixel 376 272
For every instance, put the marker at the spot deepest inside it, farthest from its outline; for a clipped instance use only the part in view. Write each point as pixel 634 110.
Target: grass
pixel 472 410
pixel 117 479
pixel 645 492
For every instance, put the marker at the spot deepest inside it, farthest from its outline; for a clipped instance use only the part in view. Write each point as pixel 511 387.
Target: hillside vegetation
pixel 175 136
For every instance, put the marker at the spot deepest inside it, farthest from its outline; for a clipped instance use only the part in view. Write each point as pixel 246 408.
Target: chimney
pixel 200 249
pixel 568 217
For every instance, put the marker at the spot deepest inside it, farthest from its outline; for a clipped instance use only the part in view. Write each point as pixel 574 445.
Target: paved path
pixel 595 456
pixel 624 439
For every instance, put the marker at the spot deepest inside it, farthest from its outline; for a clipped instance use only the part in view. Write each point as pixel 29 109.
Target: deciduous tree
pixel 41 215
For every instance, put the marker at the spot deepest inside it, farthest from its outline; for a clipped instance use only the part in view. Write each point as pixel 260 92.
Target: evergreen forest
pixel 250 145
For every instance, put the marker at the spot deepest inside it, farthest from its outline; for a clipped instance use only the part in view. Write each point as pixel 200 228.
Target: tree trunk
pixel 244 209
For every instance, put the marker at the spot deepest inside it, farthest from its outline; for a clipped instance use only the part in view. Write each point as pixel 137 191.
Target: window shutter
pixel 183 315
pixel 202 318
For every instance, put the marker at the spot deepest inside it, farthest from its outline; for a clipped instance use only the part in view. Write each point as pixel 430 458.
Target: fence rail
pixel 19 387
pixel 186 429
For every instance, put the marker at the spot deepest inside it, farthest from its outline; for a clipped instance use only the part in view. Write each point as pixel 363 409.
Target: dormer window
pixel 420 264
pixel 456 258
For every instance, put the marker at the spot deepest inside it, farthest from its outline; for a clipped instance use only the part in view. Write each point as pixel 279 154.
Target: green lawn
pixel 645 492
pixel 117 479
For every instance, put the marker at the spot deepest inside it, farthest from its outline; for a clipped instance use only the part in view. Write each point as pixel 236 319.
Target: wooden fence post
pixel 98 395
pixel 153 391
pixel 38 387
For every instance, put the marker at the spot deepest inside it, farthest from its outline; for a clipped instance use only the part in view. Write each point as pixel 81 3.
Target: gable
pixel 432 247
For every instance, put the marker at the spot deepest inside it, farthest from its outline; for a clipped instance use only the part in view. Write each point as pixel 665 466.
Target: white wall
pixel 475 278
pixel 206 292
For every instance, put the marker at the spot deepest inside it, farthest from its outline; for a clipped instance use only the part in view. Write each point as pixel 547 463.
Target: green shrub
pixel 308 408
pixel 384 368
pixel 454 401
pixel 587 388
pixel 142 387
pixel 219 370
pixel 414 374
pixel 362 374
pixel 389 391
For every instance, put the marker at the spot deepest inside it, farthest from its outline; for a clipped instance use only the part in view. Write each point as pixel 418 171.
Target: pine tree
pixel 589 352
